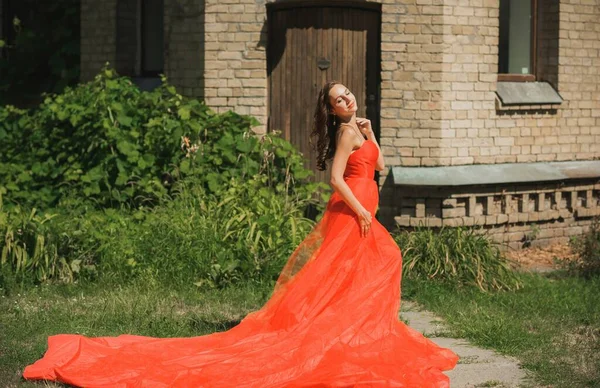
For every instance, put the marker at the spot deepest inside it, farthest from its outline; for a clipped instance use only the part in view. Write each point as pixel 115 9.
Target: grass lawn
pixel 27 319
pixel 552 325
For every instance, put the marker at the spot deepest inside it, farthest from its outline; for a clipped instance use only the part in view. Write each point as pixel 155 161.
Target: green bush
pixel 459 256
pixel 110 143
pixel 146 185
pixel 242 234
pixel 587 250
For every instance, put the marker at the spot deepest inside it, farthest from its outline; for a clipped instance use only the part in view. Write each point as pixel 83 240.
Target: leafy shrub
pixel 243 234
pixel 587 250
pixel 460 256
pixel 149 184
pixel 113 144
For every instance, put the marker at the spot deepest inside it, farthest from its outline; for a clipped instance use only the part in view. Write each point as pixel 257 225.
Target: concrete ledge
pixel 483 174
pixel 529 93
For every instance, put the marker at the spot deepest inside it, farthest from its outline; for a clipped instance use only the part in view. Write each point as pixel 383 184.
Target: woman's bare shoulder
pixel 347 132
pixel 343 133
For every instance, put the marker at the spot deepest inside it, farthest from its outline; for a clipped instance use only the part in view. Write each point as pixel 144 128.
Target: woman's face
pixel 342 101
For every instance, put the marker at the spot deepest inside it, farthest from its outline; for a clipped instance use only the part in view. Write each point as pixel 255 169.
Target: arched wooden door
pixel 310 43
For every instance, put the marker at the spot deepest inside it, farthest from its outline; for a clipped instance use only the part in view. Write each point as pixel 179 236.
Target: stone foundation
pixel 515 215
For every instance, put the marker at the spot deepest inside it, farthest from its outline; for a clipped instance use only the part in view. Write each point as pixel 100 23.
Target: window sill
pixel 516 78
pixel 526 96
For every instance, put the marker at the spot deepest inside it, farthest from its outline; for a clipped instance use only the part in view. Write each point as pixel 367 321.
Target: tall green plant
pixel 28 252
pixel 587 250
pixel 456 255
pixel 244 233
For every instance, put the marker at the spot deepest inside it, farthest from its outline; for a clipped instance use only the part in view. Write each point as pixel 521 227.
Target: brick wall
pixel 411 99
pixel 440 61
pixel 449 115
pixel 184 45
pixel 98 36
pixel 517 215
pixel 439 75
pixel 548 38
pixel 109 33
pixel 127 37
pixel 579 80
pixel 235 58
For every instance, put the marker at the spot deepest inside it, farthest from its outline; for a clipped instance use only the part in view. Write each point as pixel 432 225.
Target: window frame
pixel 511 77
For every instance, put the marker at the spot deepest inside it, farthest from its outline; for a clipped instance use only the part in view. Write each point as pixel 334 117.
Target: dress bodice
pixel 361 163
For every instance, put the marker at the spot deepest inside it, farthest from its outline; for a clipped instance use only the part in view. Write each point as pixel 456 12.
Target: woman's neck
pixel 350 120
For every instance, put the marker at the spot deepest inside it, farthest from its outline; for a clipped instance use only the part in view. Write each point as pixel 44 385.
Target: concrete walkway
pixel 477 367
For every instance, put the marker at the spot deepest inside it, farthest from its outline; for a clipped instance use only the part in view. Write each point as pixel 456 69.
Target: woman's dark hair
pixel 324 128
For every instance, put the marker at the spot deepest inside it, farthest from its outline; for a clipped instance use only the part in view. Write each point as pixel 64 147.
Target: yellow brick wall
pixel 236 58
pixel 98 36
pixel 184 45
pixel 450 118
pixel 439 75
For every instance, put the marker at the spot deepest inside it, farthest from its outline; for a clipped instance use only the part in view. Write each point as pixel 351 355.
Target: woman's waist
pixel 361 185
pixel 359 176
pixel 364 189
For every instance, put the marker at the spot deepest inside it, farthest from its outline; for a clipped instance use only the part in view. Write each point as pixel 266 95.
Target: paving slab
pixel 477 367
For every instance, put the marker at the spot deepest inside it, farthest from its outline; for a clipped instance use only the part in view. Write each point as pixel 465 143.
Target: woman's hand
pixel 364 220
pixel 364 125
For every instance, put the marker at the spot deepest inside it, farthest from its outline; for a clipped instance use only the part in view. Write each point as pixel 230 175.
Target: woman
pixel 332 320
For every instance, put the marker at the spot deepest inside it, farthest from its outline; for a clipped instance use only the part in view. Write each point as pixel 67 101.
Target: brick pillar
pixel 235 58
pixel 185 46
pixel 127 37
pixel 98 36
pixel 578 79
pixel 411 64
pixel 547 57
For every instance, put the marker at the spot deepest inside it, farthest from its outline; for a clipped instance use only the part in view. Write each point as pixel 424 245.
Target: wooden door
pixel 310 43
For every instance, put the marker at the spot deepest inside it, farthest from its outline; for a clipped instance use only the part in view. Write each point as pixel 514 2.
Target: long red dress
pixel 332 321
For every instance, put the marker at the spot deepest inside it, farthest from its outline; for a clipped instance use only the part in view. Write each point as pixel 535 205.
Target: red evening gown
pixel 332 321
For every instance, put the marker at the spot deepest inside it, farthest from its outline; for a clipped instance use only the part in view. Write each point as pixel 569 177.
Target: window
pixel 518 40
pixel 152 60
pixel 140 48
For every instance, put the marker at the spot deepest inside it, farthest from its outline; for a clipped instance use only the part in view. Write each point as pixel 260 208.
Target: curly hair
pixel 323 135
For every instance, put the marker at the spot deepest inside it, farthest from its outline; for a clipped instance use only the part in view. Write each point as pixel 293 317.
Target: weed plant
pixel 587 250
pixel 241 234
pixel 460 256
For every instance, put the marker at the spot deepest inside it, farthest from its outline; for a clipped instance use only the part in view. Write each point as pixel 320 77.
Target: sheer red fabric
pixel 332 321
